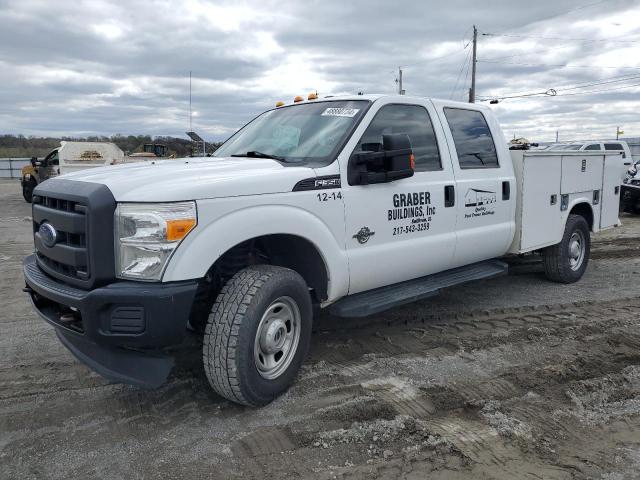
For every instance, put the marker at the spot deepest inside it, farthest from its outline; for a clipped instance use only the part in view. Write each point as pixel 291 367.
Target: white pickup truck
pixel 356 204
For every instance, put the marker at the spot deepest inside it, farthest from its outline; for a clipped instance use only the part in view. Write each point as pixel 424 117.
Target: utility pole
pixel 557 133
pixel 618 133
pixel 400 89
pixel 190 116
pixel 472 90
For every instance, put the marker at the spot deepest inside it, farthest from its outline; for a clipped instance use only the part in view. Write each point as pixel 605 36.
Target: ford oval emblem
pixel 48 234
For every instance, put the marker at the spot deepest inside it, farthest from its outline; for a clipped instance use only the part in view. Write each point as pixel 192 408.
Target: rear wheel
pixel 27 189
pixel 257 334
pixel 567 261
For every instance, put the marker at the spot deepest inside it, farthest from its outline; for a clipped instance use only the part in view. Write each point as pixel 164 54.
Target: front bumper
pixel 120 329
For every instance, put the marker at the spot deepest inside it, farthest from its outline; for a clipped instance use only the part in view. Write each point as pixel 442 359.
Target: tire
pixel 27 190
pixel 566 262
pixel 252 314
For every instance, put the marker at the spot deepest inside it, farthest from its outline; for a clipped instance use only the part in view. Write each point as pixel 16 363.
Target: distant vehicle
pixel 151 150
pixel 522 144
pixel 601 146
pixel 630 193
pixel 72 156
pixel 68 157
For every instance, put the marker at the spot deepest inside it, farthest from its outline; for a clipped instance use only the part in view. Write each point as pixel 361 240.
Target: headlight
pixel 147 234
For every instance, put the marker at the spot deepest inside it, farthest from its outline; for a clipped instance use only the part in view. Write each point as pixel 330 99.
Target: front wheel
pixel 27 190
pixel 567 261
pixel 257 334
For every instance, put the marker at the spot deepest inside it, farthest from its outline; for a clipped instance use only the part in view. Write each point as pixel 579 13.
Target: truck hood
pixel 194 178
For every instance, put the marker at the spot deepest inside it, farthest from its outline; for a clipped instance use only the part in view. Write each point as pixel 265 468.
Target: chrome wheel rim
pixel 576 250
pixel 277 338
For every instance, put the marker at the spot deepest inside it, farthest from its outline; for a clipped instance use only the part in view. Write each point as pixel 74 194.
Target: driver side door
pixel 403 229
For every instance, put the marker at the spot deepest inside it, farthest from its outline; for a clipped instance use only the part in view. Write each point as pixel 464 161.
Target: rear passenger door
pixel 485 184
pixel 402 229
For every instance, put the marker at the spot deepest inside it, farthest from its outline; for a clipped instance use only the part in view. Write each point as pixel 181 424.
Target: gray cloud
pixel 122 67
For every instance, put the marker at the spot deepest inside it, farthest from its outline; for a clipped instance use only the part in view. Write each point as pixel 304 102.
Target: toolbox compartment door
pixel 540 216
pixel 610 195
pixel 581 173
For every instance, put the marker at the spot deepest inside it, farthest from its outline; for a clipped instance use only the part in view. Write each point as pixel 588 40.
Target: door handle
pixel 449 196
pixel 506 190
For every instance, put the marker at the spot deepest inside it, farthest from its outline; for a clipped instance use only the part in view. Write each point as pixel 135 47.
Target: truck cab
pixel 38 171
pixel 354 204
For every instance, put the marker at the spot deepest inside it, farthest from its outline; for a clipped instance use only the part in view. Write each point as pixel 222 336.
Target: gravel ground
pixel 513 377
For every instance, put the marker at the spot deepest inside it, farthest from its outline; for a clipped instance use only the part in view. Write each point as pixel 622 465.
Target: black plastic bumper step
pixel 383 298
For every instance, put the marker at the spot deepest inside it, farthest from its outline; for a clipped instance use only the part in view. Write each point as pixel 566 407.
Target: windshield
pixel 307 132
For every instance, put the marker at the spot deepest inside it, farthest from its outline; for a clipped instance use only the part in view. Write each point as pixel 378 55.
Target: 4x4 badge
pixel 363 235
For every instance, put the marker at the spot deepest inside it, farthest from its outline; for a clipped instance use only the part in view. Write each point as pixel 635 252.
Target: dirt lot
pixel 513 377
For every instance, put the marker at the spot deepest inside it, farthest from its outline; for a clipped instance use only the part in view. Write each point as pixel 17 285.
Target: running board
pixel 383 298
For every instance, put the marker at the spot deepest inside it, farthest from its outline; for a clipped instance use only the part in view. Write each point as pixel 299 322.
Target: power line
pixel 464 63
pixel 610 39
pixel 557 65
pixel 573 87
pixel 599 91
pixel 558 14
pixel 531 52
pixel 553 93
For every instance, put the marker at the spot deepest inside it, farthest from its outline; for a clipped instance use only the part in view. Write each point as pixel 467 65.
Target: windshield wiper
pixel 254 154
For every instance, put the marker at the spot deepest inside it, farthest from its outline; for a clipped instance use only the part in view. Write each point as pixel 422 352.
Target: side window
pixel 410 119
pixel 615 146
pixel 593 146
pixel 472 138
pixel 52 158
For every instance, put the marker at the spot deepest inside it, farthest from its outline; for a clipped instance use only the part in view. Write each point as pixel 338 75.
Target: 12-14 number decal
pixel 326 196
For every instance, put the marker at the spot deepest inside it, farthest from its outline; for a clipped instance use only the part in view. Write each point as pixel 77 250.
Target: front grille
pixel 69 256
pixel 82 216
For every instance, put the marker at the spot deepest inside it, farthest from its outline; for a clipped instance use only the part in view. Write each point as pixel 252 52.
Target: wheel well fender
pixel 279 227
pixel 584 209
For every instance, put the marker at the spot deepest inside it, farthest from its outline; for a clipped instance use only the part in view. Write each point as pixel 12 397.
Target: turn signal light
pixel 298 99
pixel 412 161
pixel 178 229
pixel 279 104
pixel 312 96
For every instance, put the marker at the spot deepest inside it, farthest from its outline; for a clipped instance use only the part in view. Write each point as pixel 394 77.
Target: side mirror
pixel 34 160
pixel 381 165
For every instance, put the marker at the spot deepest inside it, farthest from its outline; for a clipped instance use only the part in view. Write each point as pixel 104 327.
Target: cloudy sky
pixel 101 67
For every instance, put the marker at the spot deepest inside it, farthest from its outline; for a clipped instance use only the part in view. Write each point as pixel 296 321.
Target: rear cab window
pixel 593 146
pixel 472 138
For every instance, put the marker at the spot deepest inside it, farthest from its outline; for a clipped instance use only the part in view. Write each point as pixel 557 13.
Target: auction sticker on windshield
pixel 340 112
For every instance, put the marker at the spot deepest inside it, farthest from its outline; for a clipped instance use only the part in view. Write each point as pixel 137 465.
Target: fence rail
pixel 11 167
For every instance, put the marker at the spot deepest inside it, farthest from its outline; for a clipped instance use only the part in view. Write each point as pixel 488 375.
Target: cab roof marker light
pixel 279 104
pixel 313 96
pixel 298 99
